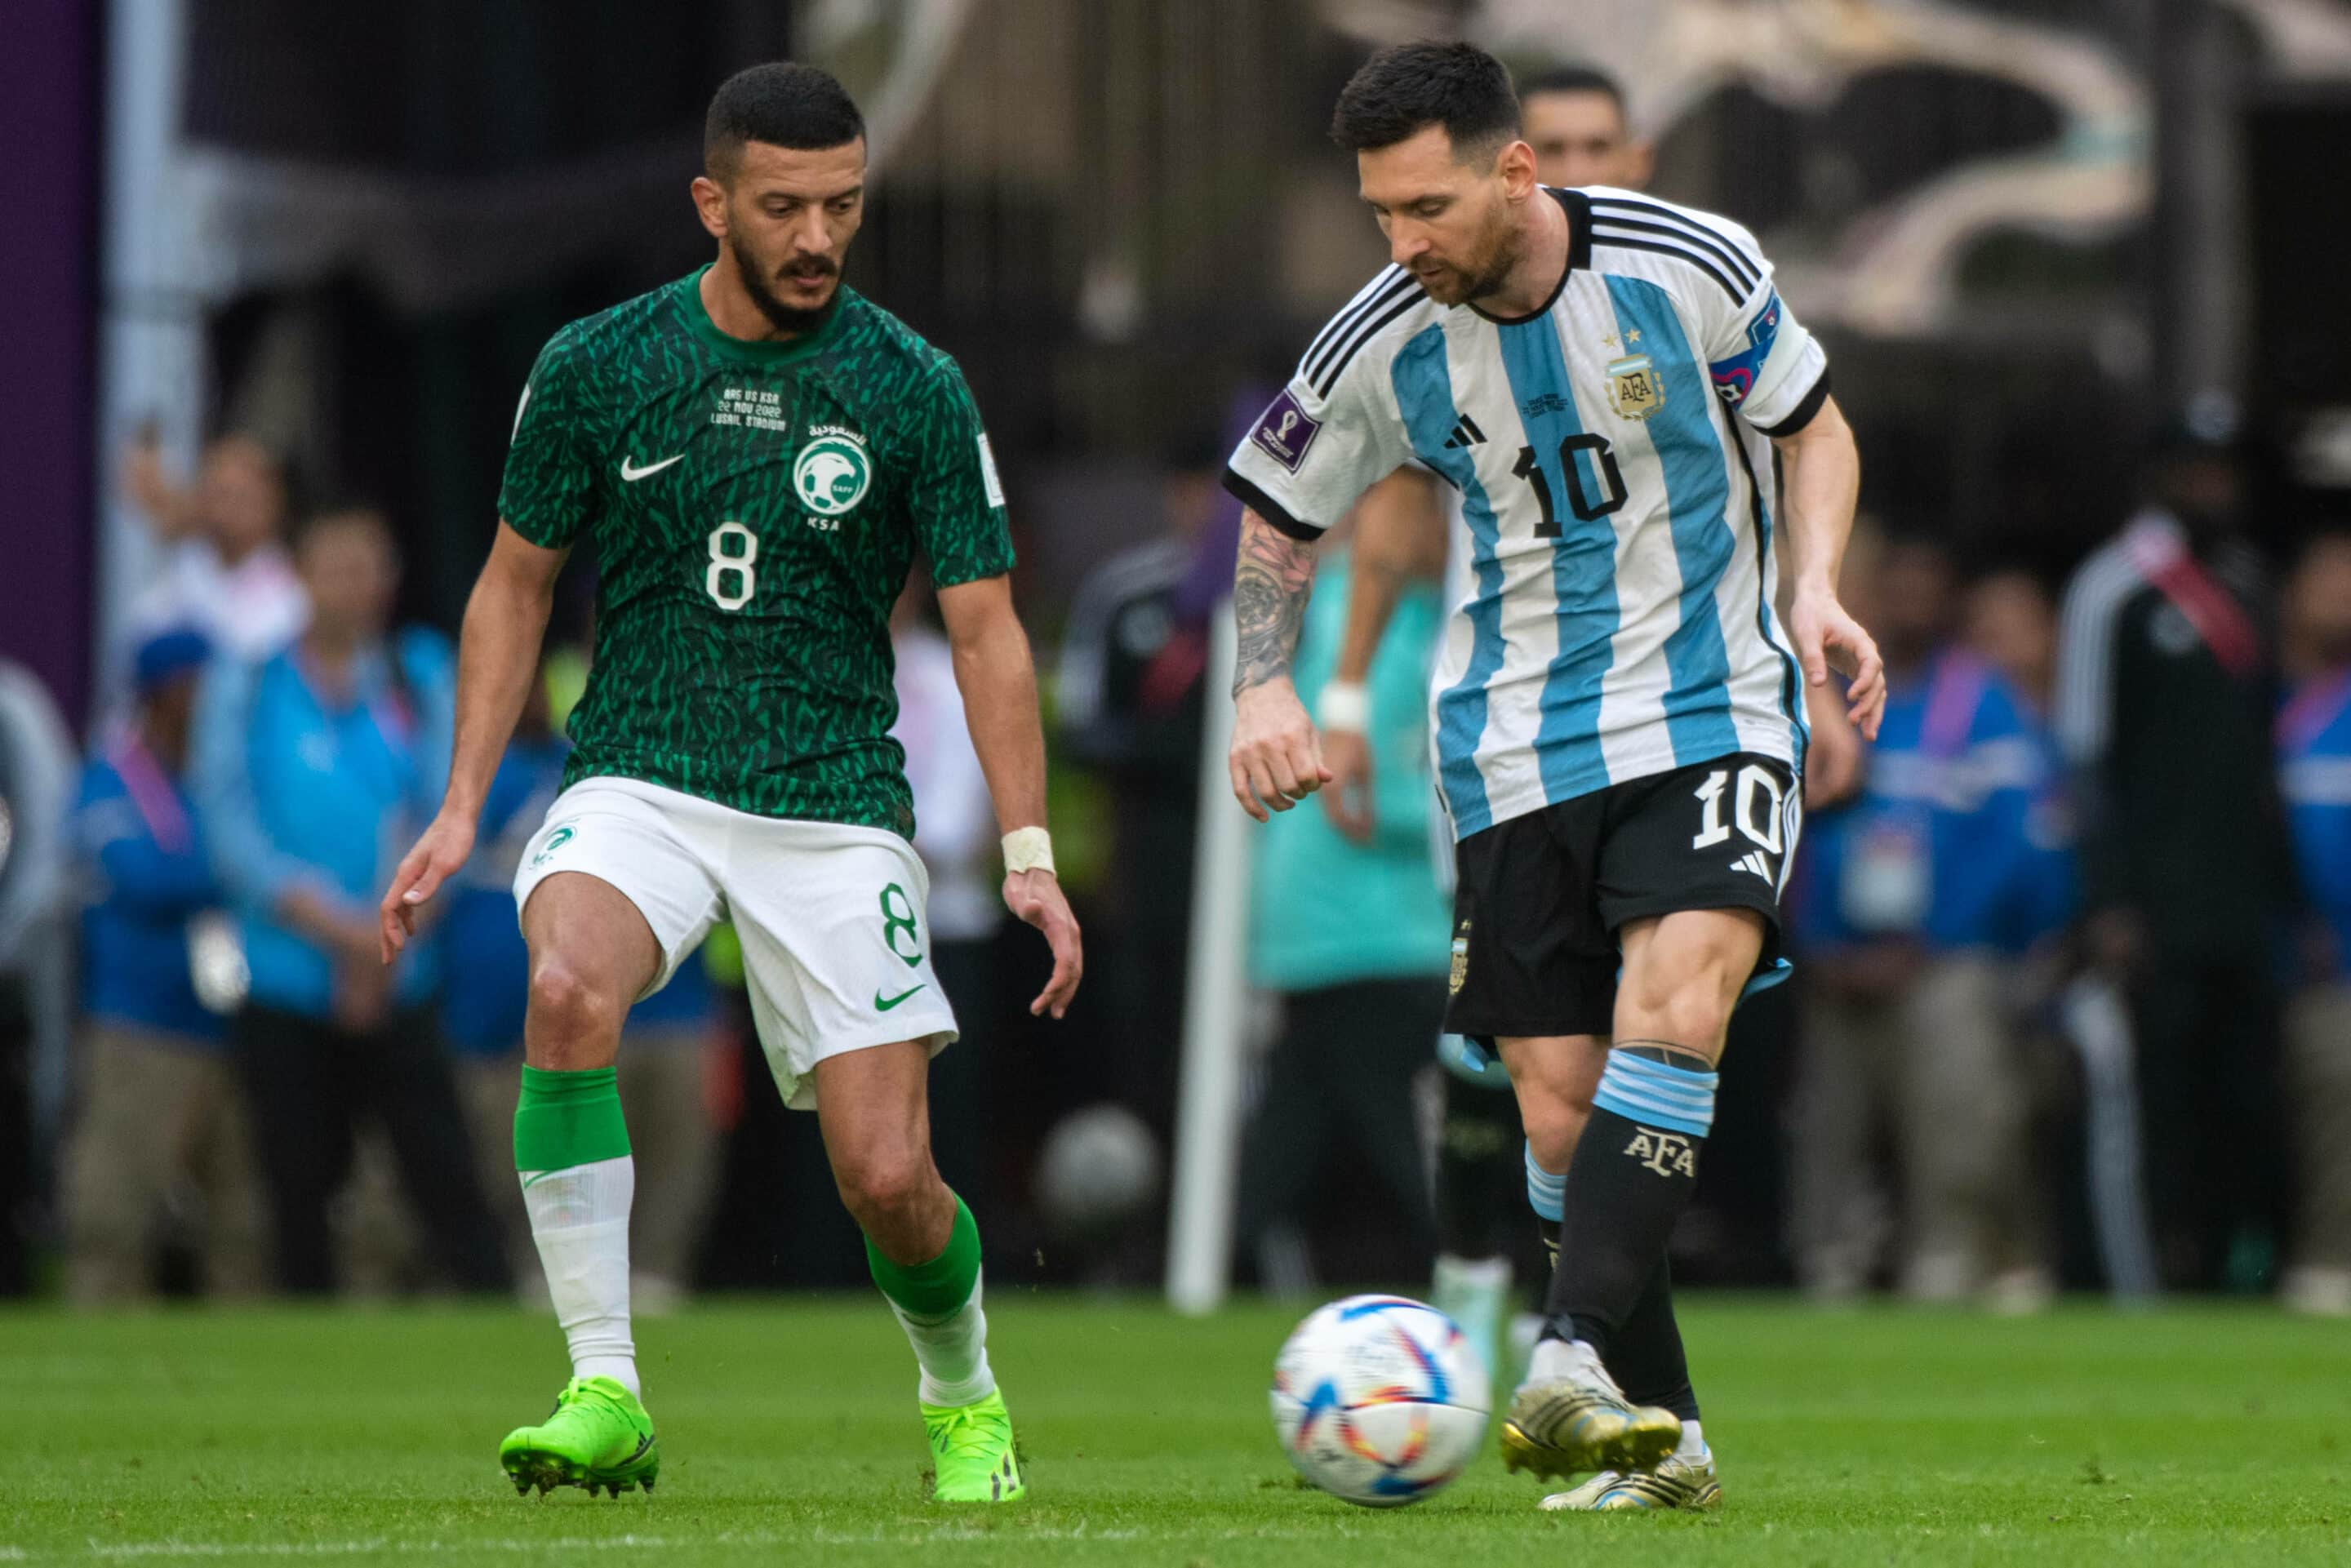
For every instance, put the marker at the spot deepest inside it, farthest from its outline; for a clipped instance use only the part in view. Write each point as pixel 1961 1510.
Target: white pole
pixel 151 368
pixel 1208 1115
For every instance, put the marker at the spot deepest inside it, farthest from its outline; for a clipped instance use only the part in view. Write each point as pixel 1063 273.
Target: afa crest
pixel 1667 1154
pixel 1633 390
pixel 1460 971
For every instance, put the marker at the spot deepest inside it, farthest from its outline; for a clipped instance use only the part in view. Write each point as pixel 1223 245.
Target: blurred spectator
pixel 2315 774
pixel 1915 903
pixel 1353 939
pixel 37 781
pixel 485 967
pixel 1127 704
pixel 2166 696
pixel 227 570
pixel 665 1058
pixel 160 1107
pixel 955 833
pixel 1574 117
pixel 2011 624
pixel 312 767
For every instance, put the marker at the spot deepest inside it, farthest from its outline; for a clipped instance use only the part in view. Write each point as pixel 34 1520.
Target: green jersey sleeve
pixel 549 491
pixel 955 500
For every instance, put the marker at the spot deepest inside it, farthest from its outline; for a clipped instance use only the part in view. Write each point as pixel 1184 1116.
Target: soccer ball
pixel 1098 1169
pixel 1379 1400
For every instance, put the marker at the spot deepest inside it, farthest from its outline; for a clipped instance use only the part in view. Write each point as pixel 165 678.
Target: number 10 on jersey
pixel 733 577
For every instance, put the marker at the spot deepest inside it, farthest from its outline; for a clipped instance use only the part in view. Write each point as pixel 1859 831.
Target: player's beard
pixel 1484 276
pixel 791 321
pixel 1499 262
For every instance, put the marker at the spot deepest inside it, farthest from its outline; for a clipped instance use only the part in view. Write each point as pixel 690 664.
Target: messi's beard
pixel 1492 278
pixel 791 321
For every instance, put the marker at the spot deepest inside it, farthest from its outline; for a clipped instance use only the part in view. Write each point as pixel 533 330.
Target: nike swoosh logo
pixel 882 1007
pixel 631 473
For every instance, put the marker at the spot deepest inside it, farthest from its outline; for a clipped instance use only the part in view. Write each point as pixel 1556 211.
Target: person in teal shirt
pixel 1354 937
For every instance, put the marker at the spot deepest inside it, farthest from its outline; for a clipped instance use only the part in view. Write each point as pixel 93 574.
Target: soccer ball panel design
pixel 1379 1400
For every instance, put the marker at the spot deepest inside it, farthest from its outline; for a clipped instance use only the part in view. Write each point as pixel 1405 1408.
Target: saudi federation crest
pixel 1633 390
pixel 555 840
pixel 833 473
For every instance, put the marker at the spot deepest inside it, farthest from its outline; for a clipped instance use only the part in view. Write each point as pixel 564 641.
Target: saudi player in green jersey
pixel 758 455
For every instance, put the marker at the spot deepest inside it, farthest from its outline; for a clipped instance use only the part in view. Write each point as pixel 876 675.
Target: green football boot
pixel 1675 1483
pixel 1579 1421
pixel 599 1437
pixel 971 1445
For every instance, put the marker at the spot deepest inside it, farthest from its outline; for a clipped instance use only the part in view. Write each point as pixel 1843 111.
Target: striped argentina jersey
pixel 1611 463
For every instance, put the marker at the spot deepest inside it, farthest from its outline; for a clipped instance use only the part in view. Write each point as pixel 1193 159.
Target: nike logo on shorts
pixel 882 1007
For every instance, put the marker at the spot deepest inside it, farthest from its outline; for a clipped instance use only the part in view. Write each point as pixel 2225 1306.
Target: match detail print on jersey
pixel 754 508
pixel 1610 464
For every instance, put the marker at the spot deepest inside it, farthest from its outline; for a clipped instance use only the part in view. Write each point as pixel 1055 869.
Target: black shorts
pixel 1540 897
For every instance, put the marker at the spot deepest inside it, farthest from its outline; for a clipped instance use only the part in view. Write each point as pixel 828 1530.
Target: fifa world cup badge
pixel 1633 390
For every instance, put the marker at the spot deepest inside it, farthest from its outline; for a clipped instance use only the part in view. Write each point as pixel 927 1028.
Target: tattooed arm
pixel 1276 757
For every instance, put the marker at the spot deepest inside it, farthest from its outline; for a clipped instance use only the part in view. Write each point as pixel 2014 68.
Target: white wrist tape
pixel 1344 704
pixel 1028 849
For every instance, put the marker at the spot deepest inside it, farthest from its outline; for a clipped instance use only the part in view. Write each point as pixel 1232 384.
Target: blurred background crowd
pixel 2072 1008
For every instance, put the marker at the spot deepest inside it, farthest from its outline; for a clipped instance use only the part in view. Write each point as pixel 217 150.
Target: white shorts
pixel 836 940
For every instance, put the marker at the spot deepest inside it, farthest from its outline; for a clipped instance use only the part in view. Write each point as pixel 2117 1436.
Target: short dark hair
pixel 340 509
pixel 783 104
pixel 1407 88
pixel 1575 78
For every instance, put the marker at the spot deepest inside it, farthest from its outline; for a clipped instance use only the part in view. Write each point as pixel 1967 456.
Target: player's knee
pixel 573 1014
pixel 881 1185
pixel 1691 1010
pixel 1554 1123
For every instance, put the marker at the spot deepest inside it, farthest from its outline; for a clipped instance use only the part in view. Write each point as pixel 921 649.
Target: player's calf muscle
pixel 899 1201
pixel 1555 1077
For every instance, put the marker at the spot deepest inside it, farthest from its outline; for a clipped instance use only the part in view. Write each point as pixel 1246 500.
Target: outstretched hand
pixel 1828 638
pixel 1037 898
pixel 439 855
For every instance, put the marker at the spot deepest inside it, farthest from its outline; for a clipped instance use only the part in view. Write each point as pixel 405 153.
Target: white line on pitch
pixel 127 1550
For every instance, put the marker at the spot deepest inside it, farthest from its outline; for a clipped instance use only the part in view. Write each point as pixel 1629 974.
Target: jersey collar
pixel 758 351
pixel 1578 207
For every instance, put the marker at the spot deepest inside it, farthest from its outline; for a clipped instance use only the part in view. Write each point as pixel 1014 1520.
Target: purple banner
pixel 48 188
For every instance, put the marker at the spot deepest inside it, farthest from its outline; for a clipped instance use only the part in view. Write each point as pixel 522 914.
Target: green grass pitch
pixel 2188 1436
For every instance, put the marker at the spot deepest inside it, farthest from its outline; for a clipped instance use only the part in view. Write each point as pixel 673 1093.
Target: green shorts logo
pixel 555 840
pixel 832 474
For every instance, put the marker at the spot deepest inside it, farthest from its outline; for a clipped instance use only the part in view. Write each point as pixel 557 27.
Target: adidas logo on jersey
pixel 1465 434
pixel 1753 860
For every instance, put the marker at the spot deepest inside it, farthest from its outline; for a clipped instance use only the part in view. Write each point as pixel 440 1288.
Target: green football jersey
pixel 754 507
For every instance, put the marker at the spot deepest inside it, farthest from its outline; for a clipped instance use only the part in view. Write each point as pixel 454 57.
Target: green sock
pixel 937 1303
pixel 567 1119
pixel 937 1288
pixel 578 1181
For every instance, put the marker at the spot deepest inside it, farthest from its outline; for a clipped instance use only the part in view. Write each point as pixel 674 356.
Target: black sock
pixel 1632 1176
pixel 1645 1357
